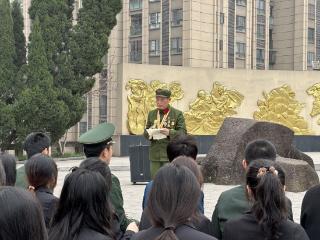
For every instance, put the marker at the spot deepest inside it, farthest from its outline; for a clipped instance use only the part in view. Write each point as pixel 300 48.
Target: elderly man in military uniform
pixel 97 142
pixel 164 123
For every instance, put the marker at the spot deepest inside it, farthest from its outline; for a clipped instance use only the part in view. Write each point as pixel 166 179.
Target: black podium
pixel 139 163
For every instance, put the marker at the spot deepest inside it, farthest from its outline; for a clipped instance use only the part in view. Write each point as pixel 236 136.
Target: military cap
pixel 100 133
pixel 163 93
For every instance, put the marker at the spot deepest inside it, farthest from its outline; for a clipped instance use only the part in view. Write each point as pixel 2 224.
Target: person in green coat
pixel 35 143
pixel 163 123
pixel 234 202
pixel 97 142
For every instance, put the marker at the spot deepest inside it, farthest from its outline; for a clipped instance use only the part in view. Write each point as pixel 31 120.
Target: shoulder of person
pixel 314 191
pixel 188 232
pixel 88 234
pixel 231 193
pixel 115 179
pixel 153 112
pixel 175 110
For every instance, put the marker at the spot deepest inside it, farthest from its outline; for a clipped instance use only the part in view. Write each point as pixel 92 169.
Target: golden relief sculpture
pixel 207 113
pixel 142 100
pixel 315 92
pixel 280 106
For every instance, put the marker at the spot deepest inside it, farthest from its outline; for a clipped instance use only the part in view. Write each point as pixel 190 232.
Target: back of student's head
pixel 260 149
pixel 83 203
pixel 265 181
pixel 35 143
pixel 9 166
pixel 191 164
pixel 20 216
pixel 41 171
pixel 96 165
pixel 182 145
pixel 173 199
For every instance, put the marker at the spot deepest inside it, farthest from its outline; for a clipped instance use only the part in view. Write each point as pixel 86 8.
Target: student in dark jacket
pixel 96 165
pixel 310 213
pixel 267 219
pixel 84 211
pixel 35 143
pixel 234 202
pixel 172 203
pixel 42 174
pixel 201 222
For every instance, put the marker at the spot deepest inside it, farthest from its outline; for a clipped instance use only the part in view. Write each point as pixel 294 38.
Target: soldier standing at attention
pixel 170 122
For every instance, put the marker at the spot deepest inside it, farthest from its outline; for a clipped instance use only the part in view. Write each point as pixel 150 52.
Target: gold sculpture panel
pixel 142 100
pixel 280 106
pixel 315 92
pixel 207 113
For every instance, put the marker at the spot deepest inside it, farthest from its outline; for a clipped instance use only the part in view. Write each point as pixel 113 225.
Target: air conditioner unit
pixel 316 65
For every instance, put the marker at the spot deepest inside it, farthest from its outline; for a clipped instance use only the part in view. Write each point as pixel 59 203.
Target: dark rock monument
pixel 223 163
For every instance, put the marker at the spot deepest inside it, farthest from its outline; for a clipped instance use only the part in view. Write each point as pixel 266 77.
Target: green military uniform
pixel 102 134
pixel 233 204
pixel 176 125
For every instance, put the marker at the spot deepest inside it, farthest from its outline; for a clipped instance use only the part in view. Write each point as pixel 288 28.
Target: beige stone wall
pixel 250 83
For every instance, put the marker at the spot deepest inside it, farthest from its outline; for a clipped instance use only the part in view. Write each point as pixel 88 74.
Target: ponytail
pixel 269 207
pixel 168 234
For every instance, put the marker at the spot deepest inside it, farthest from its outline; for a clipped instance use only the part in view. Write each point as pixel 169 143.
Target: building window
pixel 136 51
pixel 154 20
pixel 311 35
pixel 310 58
pixel 176 45
pixel 241 24
pixel 177 17
pixel 241 50
pixel 260 31
pixel 83 127
pixel 154 47
pixel 220 45
pixel 103 105
pixel 221 18
pixel 261 7
pixel 135 5
pixel 260 56
pixel 241 2
pixel 311 11
pixel 136 25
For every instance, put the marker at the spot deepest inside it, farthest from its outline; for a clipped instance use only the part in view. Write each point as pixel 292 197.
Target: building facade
pixel 240 34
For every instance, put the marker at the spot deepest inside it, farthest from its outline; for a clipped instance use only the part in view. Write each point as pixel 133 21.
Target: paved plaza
pixel 133 193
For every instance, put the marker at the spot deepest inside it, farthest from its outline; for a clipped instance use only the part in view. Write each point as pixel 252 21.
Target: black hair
pixel 41 170
pixel 35 143
pixel 20 216
pixel 9 166
pixel 260 149
pixel 83 203
pixel 266 182
pixel 173 199
pixel 94 150
pixel 97 165
pixel 182 145
pixel 191 165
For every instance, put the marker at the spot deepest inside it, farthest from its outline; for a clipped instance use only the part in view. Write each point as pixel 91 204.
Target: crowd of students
pixel 91 203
